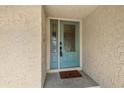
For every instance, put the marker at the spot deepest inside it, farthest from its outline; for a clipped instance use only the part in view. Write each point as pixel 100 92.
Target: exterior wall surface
pixel 103 46
pixel 44 45
pixel 20 46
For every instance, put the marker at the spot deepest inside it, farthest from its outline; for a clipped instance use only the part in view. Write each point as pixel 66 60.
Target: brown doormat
pixel 69 74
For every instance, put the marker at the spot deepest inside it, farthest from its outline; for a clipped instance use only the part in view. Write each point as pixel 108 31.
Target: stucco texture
pixel 44 46
pixel 20 46
pixel 103 46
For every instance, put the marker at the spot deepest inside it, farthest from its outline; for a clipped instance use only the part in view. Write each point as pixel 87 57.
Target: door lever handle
pixel 60 51
pixel 60 48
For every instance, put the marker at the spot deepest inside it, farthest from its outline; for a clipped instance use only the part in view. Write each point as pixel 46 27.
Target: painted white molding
pixel 66 69
pixel 48 43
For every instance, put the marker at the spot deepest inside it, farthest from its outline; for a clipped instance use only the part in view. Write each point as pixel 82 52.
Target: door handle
pixel 60 51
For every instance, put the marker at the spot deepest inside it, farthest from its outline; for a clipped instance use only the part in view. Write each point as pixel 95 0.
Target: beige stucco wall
pixel 44 46
pixel 20 46
pixel 103 46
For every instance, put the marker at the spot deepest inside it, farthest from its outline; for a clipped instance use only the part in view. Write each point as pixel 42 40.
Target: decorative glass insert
pixel 54 30
pixel 69 38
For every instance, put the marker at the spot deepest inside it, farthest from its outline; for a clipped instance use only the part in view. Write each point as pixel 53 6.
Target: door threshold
pixel 66 69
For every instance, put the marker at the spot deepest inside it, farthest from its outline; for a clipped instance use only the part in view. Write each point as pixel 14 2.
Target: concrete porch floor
pixel 53 80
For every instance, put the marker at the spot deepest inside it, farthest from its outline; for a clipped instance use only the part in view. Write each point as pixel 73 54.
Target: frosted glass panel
pixel 69 38
pixel 54 30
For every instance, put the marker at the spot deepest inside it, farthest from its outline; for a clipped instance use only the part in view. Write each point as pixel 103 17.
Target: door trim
pixel 48 43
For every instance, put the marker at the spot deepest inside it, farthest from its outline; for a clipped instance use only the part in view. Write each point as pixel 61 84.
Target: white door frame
pixel 48 44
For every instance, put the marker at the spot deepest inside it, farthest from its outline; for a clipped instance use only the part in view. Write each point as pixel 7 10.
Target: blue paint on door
pixel 69 59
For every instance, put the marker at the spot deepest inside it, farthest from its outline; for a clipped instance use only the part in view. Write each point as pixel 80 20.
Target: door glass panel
pixel 54 29
pixel 69 38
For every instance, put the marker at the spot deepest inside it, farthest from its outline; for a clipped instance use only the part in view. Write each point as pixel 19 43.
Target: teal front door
pixel 65 51
pixel 69 44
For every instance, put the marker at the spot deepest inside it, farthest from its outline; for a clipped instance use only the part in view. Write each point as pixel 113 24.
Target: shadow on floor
pixel 53 80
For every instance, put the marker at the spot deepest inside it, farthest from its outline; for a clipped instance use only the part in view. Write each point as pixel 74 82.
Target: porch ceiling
pixel 69 11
